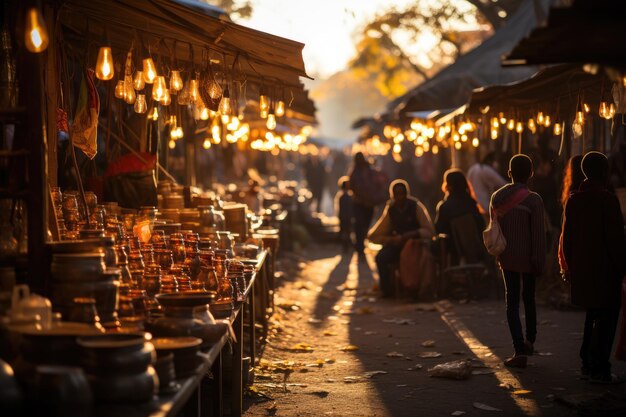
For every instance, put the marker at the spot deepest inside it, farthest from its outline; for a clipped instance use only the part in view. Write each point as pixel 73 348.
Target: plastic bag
pixel 452 370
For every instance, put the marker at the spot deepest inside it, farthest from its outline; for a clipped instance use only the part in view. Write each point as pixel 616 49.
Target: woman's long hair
pixel 455 183
pixel 572 178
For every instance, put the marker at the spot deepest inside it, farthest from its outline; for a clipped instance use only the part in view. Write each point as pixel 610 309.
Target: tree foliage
pixel 382 42
pixel 236 9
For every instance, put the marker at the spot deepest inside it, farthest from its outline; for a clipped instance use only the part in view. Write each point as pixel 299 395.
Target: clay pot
pixel 61 391
pixel 77 266
pixel 116 353
pixel 185 350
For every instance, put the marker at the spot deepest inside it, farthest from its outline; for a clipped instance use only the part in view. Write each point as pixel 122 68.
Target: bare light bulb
pixel 519 127
pixel 494 123
pixel 271 121
pixel 171 144
pixel 104 64
pixel 194 93
pixel 129 91
pixel 167 98
pixel 557 129
pixel 154 114
pixel 580 118
pixel 264 103
pixel 475 142
pixel 510 124
pixel 159 88
pixel 224 106
pixel 149 71
pixel 548 121
pixel 206 144
pixel 532 126
pixel 204 113
pixel 176 82
pixel 35 34
pixel 120 89
pixel 540 118
pixel 140 104
pixel 611 111
pixel 138 81
pixel 280 108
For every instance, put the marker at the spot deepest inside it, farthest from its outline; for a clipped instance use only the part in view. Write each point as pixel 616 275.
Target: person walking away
pixel 457 202
pixel 520 215
pixel 484 179
pixel 593 246
pixel 366 195
pixel 345 211
pixel 403 218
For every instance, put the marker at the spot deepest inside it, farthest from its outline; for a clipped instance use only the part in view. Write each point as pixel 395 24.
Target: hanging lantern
pixel 140 104
pixel 184 97
pixel 264 103
pixel 558 129
pixel 154 114
pixel 280 108
pixel 435 150
pixel 519 127
pixel 532 126
pixel 206 144
pixel 494 123
pixel 475 142
pixel 540 118
pixel 580 117
pixel 159 88
pixel 502 118
pixel 215 90
pixel 224 107
pixel 547 122
pixel 149 71
pixel 104 64
pixel 176 82
pixel 138 81
pixel 35 33
pixel 611 111
pixel 120 89
pixel 171 144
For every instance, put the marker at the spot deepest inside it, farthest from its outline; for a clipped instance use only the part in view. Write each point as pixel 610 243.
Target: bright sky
pixel 324 26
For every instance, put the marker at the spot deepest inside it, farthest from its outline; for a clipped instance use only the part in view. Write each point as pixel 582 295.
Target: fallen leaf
pixel 330 380
pixel 351 379
pixel 428 343
pixel 330 360
pixel 521 392
pixel 371 374
pixel 457 413
pixel 370 332
pixel 544 353
pixel 329 333
pixel 301 347
pixel 272 408
pixel 429 355
pixel 313 320
pixel 485 407
pixel 287 306
pixel 321 394
pixel 395 355
pixel 349 348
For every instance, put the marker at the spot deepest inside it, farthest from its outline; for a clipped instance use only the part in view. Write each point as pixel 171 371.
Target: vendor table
pixel 201 394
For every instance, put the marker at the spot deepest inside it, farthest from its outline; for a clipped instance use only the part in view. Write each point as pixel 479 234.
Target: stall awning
pixel 557 90
pixel 590 31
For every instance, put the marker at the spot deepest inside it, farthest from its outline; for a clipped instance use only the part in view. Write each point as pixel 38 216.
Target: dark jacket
pixel 523 228
pixel 593 246
pixel 452 207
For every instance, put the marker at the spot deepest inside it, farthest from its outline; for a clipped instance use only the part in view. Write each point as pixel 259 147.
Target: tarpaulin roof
pixel 175 32
pixel 453 85
pixel 557 90
pixel 590 31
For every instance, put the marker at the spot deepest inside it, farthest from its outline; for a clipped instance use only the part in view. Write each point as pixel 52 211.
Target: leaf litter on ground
pixel 485 407
pixel 349 348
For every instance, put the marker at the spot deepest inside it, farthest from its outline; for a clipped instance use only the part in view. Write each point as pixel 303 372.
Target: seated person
pixel 404 218
pixel 457 202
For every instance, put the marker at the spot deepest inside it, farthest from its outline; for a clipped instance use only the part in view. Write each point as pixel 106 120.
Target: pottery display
pixel 185 350
pixel 60 391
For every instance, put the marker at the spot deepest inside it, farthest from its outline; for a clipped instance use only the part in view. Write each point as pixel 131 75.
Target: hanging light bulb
pixel 435 150
pixel 457 145
pixel 502 118
pixel 558 129
pixel 531 125
pixel 280 108
pixel 35 33
pixel 540 118
pixel 184 98
pixel 519 127
pixel 119 89
pixel 271 121
pixel 475 142
pixel 586 107
pixel 206 144
pixel 176 82
pixel 494 134
pixel 154 114
pixel 215 90
pixel 149 71
pixel 194 93
pixel 264 103
pixel 224 106
pixel 104 64
pixel 140 104
pixel 611 111
pixel 129 94
pixel 159 88
pixel 494 123
pixel 510 124
pixel 580 117
pixel 171 144
pixel 204 114
pixel 138 81
pixel 167 98
pixel 548 121
pixel 603 110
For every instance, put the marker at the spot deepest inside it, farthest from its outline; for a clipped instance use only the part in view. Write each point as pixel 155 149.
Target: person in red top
pixel 595 258
pixel 520 214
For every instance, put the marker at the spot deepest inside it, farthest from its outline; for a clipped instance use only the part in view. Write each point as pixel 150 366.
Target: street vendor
pixel 404 218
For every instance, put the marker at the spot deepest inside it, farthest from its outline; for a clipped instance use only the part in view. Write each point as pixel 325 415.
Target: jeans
pixel 362 219
pixel 385 261
pixel 513 281
pixel 595 351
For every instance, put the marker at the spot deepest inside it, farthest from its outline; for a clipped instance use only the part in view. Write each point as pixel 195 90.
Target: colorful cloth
pixel 84 130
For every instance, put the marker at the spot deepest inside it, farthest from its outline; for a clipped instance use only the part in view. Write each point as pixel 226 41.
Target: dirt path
pixel 336 349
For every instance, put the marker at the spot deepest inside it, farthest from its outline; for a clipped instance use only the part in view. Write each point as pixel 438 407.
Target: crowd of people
pixel 591 249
